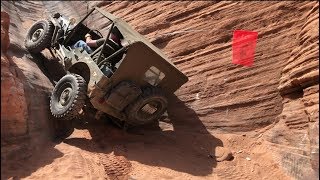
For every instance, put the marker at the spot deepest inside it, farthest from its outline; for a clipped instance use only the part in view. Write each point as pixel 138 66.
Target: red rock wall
pixel 302 68
pixel 13 103
pixel 24 87
pixel 298 126
pixel 197 36
pixel 281 88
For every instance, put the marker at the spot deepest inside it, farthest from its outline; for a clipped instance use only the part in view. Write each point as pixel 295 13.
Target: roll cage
pixel 100 49
pixel 140 53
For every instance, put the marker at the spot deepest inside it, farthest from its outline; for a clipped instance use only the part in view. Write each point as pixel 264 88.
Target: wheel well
pixel 82 69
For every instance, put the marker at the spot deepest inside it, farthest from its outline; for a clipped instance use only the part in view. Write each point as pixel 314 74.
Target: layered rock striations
pixel 197 37
pixel 295 137
pixel 13 102
pixel 280 91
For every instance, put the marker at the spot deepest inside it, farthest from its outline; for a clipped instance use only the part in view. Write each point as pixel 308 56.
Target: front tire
pixel 149 106
pixel 68 97
pixel 39 36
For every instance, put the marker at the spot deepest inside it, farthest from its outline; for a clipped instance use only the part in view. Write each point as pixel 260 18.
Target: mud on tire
pixel 39 36
pixel 68 97
pixel 149 106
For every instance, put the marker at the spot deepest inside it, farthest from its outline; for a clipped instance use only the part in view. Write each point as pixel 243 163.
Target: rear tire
pixel 149 106
pixel 39 36
pixel 68 97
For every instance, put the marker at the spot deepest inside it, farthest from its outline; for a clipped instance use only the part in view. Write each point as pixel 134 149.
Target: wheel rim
pixel 64 94
pixel 36 35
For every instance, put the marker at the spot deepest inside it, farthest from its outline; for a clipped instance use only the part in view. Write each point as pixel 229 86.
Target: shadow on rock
pixel 21 167
pixel 50 67
pixel 24 154
pixel 182 143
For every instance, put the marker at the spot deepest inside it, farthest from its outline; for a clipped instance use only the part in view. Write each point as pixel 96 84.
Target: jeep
pixel 128 80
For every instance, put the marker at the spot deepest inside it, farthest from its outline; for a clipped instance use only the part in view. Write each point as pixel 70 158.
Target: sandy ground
pixel 99 150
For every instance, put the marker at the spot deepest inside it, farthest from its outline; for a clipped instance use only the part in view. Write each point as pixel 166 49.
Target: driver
pixel 90 43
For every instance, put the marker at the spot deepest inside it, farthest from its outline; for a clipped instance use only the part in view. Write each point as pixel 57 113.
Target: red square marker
pixel 243 47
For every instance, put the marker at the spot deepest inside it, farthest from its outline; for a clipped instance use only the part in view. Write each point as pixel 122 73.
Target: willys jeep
pixel 126 79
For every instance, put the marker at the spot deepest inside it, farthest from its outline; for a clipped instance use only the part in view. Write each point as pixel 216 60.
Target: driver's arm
pixel 90 42
pixel 93 43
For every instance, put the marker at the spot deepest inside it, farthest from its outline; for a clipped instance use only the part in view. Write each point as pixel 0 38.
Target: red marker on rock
pixel 243 47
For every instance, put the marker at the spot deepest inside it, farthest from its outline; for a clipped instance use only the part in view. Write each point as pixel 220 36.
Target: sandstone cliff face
pixel 302 69
pixel 13 103
pixel 24 88
pixel 298 126
pixel 280 91
pixel 197 37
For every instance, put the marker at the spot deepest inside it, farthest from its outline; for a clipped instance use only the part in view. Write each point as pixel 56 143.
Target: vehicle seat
pixel 113 44
pixel 110 48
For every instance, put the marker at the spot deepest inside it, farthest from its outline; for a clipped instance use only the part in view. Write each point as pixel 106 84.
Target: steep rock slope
pixel 24 88
pixel 13 103
pixel 223 97
pixel 197 37
pixel 295 137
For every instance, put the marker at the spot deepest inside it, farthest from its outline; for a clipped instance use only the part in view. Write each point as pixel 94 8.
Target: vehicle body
pixel 138 80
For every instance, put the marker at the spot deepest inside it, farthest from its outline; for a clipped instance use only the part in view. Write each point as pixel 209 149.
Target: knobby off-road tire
pixel 137 114
pixel 39 36
pixel 68 96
